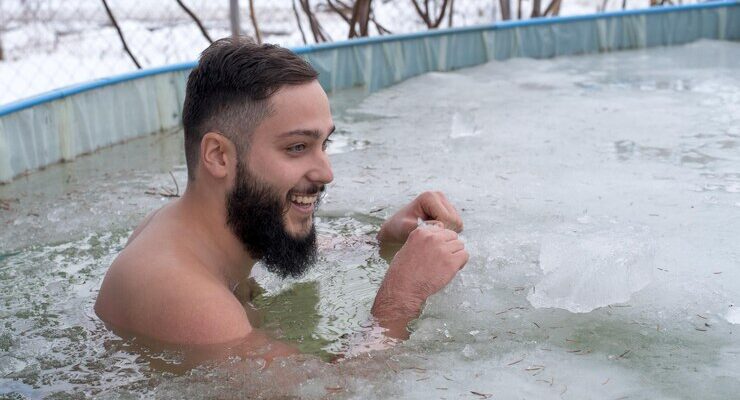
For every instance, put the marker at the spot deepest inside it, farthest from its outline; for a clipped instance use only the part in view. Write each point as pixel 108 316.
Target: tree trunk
pixel 536 4
pixel 452 10
pixel 357 16
pixel 505 9
pixel 519 10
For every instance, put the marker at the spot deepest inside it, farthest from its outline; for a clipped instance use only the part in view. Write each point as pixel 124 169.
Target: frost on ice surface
pixel 583 272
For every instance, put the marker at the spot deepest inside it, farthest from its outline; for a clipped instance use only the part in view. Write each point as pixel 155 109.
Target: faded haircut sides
pixel 228 91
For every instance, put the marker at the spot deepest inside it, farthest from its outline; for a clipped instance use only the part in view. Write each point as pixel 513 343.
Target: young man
pixel 256 124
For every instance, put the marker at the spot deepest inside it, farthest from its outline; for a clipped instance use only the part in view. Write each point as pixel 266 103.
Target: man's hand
pixel 427 206
pixel 425 264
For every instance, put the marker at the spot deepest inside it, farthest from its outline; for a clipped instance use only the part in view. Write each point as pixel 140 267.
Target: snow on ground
pixel 48 44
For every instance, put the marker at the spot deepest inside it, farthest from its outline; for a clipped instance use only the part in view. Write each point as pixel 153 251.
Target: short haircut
pixel 228 91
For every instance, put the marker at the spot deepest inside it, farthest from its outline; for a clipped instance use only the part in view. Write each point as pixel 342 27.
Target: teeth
pixel 303 199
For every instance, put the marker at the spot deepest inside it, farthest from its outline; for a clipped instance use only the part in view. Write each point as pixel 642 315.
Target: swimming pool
pixel 622 167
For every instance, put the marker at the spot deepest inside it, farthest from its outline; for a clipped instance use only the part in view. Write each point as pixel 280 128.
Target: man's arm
pixel 427 262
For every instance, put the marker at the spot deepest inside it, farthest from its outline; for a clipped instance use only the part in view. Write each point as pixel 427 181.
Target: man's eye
pixel 297 148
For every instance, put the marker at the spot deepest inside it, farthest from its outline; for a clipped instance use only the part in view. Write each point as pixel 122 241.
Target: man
pixel 257 124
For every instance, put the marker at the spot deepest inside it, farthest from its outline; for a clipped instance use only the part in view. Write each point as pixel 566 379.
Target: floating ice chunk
pixel 469 352
pixel 733 315
pixel 585 218
pixel 9 365
pixel 462 126
pixel 420 223
pixel 583 272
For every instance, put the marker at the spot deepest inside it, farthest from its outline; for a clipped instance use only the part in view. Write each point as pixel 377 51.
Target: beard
pixel 255 215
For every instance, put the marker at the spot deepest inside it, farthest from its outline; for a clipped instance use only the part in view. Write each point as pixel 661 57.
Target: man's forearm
pixel 394 309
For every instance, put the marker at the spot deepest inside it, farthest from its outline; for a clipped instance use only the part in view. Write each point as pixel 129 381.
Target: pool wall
pixel 65 123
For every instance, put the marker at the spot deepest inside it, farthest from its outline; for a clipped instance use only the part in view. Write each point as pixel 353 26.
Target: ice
pixel 583 272
pixel 463 126
pixel 469 352
pixel 577 181
pixel 733 315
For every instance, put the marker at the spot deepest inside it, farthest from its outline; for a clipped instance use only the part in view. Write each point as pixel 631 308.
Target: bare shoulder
pixel 142 226
pixel 155 291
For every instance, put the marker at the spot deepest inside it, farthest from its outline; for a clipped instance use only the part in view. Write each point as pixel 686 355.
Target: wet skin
pixel 174 281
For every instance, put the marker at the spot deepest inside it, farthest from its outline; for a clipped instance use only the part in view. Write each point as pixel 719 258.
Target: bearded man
pixel 256 125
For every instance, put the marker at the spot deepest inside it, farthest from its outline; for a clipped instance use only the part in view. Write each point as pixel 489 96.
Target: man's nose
pixel 321 170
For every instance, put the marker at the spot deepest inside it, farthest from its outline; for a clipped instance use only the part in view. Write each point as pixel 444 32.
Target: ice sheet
pixel 627 155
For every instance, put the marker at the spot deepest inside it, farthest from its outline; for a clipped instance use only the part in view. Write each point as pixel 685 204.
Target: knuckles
pixel 453 219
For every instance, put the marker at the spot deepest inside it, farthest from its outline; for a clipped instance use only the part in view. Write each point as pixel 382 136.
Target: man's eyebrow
pixel 306 132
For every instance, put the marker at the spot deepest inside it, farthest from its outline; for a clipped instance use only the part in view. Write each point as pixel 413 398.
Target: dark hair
pixel 228 91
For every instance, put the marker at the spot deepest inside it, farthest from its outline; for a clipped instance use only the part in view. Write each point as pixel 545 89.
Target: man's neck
pixel 215 244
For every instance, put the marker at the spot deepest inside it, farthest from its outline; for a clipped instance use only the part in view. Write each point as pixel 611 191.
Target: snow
pixel 52 44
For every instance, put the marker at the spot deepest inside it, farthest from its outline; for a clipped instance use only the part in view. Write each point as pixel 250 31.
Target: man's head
pixel 256 126
pixel 228 91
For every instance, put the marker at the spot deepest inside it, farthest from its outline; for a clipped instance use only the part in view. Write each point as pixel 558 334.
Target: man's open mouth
pixel 304 202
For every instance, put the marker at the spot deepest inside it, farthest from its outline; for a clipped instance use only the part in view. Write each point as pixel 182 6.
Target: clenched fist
pixel 427 206
pixel 427 262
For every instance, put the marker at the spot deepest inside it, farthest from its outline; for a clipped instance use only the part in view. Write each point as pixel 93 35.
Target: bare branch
pixel 253 16
pixel 316 29
pixel 298 20
pixel 120 33
pixel 196 20
pixel 553 9
pixel 425 14
pixel 422 14
pixel 442 13
pixel 339 11
pixel 381 29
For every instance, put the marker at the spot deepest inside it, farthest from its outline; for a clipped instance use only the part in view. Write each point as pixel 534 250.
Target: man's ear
pixel 218 154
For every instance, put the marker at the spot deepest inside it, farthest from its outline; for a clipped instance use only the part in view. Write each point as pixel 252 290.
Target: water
pixel 600 196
